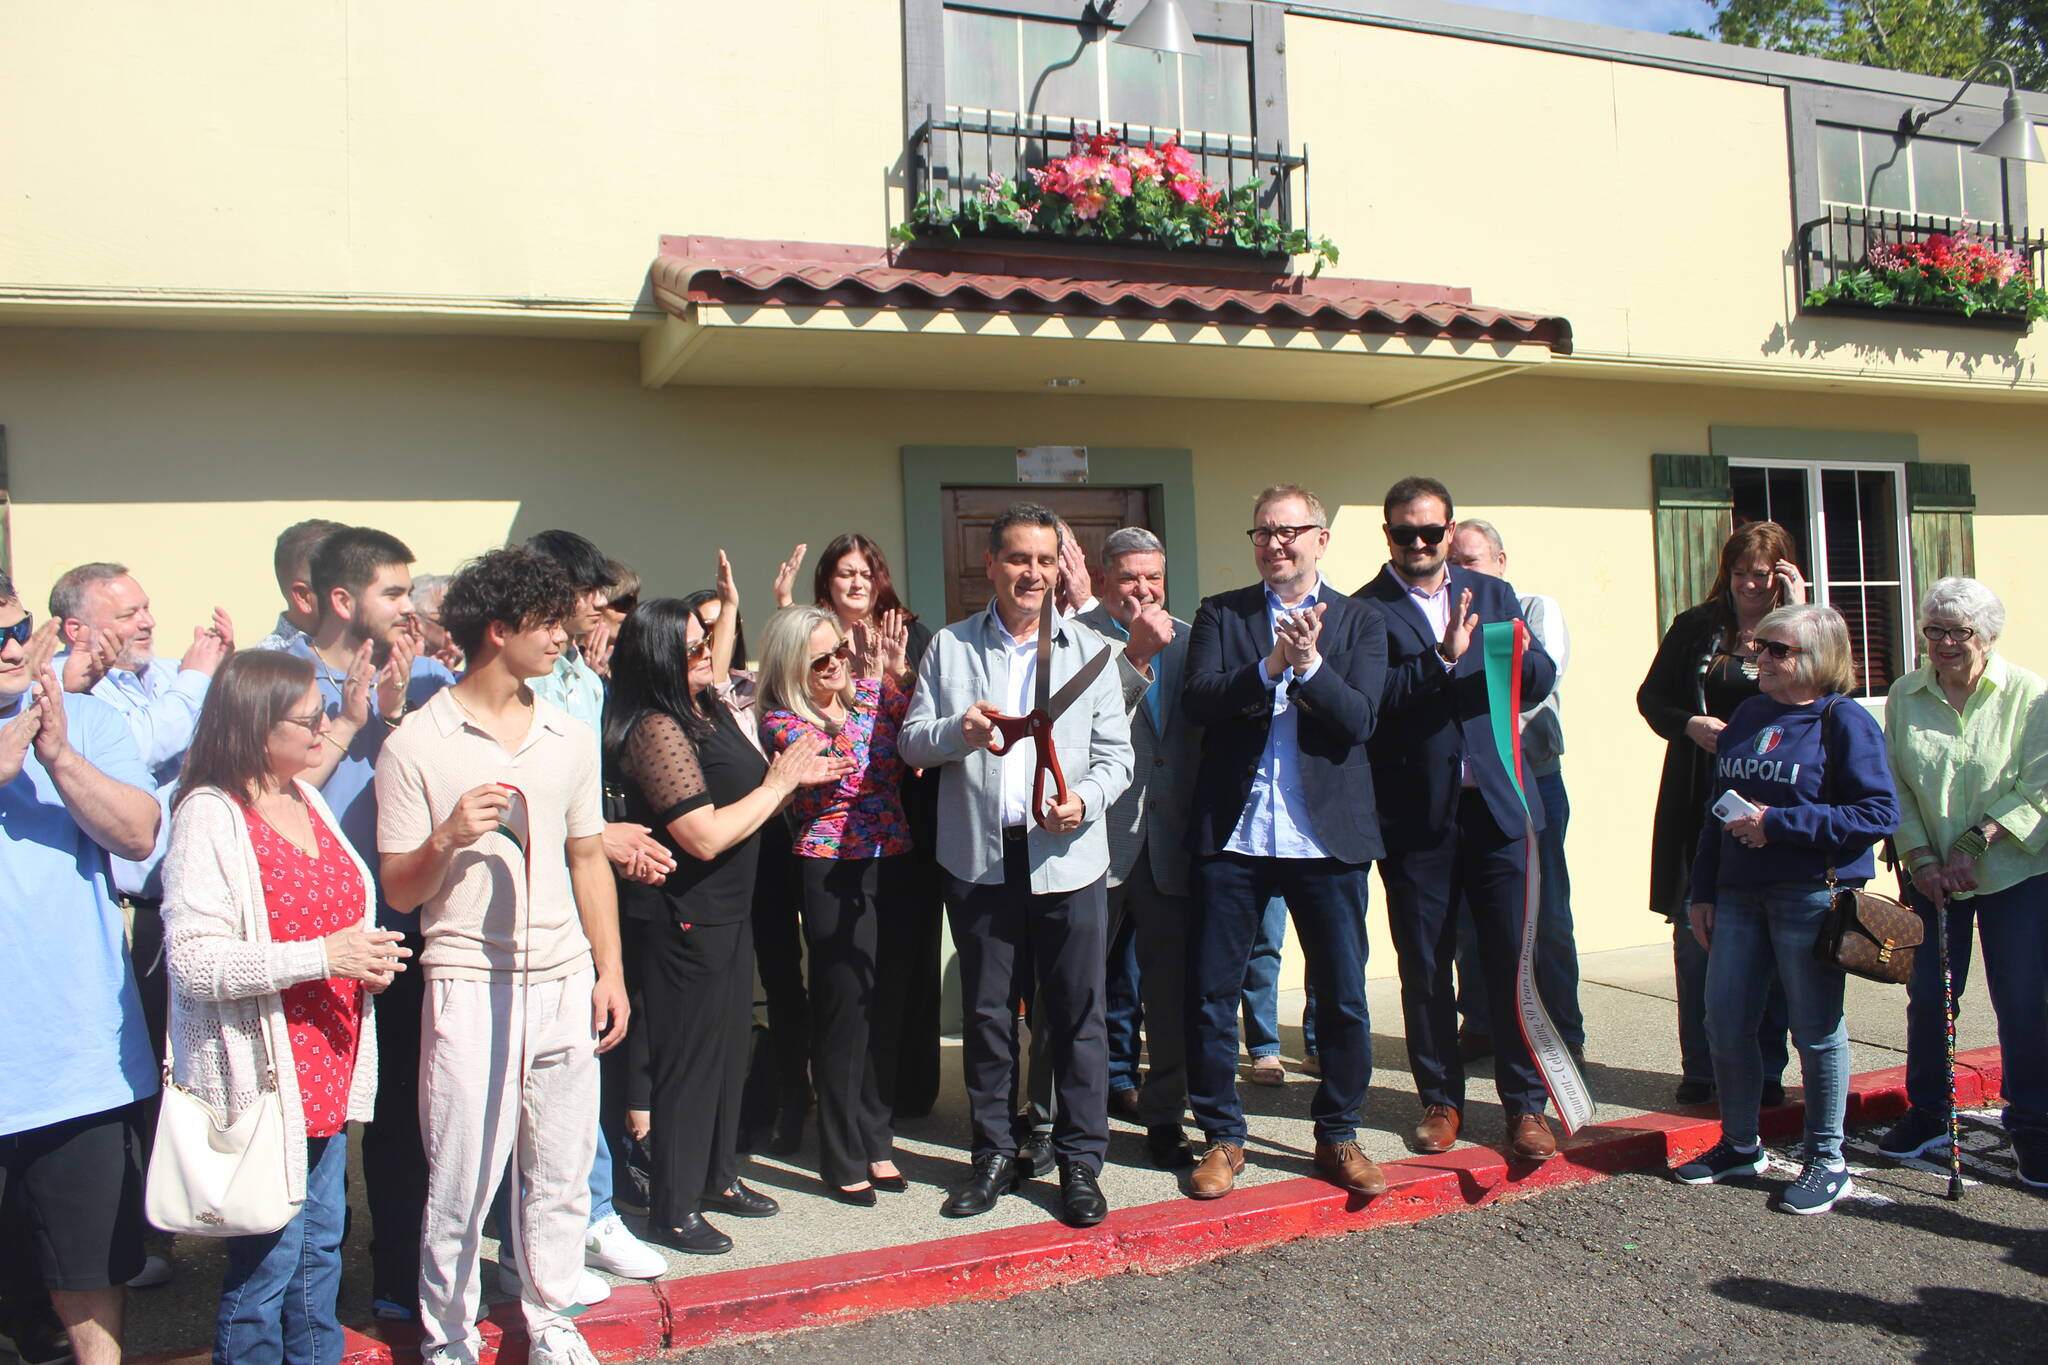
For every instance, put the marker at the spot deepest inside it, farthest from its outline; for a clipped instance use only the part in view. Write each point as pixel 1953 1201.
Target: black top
pixel 1692 675
pixel 667 774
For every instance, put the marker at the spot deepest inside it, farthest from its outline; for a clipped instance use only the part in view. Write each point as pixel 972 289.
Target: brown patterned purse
pixel 1864 934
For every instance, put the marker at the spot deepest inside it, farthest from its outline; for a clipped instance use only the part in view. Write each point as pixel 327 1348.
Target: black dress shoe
pixel 789 1126
pixel 863 1198
pixel 740 1202
pixel 1081 1201
pixel 1034 1156
pixel 1169 1147
pixel 1694 1092
pixel 1123 1104
pixel 889 1184
pixel 994 1175
pixel 693 1235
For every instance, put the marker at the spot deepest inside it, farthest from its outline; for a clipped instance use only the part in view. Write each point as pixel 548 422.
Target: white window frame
pixel 1864 177
pixel 1817 531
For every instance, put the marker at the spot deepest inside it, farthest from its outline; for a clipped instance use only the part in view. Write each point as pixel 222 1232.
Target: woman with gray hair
pixel 814 683
pixel 1811 797
pixel 1967 734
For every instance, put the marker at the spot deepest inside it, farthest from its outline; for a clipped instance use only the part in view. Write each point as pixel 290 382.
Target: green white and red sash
pixel 1502 645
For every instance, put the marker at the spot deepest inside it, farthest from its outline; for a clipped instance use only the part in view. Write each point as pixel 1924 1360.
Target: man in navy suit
pixel 1286 677
pixel 1454 825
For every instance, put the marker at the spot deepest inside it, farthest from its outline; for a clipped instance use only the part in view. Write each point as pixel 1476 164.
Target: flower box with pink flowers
pixel 1954 276
pixel 1114 192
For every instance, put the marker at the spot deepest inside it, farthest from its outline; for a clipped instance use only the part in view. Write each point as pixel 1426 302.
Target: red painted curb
pixel 735 1305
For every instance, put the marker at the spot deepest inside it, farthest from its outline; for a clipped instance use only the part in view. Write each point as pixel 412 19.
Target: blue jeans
pixel 1695 1057
pixel 2014 923
pixel 1123 1011
pixel 1327 897
pixel 1557 950
pixel 1262 988
pixel 277 1299
pixel 1755 928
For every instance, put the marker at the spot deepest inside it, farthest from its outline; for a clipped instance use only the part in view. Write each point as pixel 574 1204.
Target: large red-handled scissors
pixel 1036 724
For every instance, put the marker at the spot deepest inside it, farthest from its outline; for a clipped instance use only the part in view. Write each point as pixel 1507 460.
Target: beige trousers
pixel 476 1111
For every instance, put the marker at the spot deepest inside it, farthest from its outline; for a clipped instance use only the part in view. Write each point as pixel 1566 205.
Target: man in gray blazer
pixel 1027 889
pixel 1148 858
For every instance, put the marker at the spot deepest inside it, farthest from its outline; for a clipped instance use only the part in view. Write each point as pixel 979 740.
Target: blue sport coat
pixel 1224 692
pixel 1431 716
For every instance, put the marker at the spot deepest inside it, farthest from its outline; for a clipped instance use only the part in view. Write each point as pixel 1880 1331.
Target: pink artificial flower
pixel 1120 181
pixel 1088 202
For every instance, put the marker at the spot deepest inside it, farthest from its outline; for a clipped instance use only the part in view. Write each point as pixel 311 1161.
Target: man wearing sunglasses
pixel 1453 821
pixel 1286 675
pixel 73 789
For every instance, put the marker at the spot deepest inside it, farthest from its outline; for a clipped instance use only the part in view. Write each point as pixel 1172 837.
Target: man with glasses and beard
pixel 1453 822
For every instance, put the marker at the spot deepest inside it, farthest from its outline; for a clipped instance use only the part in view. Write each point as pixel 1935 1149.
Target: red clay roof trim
pixel 711 270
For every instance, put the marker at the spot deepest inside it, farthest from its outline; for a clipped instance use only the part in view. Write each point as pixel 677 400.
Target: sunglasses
pixel 824 661
pixel 700 650
pixel 1955 635
pixel 1777 649
pixel 19 631
pixel 1262 536
pixel 1405 536
pixel 312 724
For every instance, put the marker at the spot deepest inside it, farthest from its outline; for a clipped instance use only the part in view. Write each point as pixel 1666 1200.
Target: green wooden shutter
pixel 1940 509
pixel 1695 514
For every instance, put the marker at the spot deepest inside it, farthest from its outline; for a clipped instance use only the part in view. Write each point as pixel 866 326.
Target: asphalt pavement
pixel 1635 1269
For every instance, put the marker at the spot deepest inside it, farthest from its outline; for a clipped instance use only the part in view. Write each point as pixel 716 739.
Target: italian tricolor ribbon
pixel 1502 645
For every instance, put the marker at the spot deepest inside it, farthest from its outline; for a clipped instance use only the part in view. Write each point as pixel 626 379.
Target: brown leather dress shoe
pixel 1216 1173
pixel 1530 1138
pixel 1349 1169
pixel 1437 1131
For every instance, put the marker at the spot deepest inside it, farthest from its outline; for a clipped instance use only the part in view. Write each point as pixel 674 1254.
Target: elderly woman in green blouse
pixel 1968 738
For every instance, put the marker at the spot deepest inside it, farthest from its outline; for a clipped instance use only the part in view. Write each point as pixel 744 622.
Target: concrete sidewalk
pixel 1632 1064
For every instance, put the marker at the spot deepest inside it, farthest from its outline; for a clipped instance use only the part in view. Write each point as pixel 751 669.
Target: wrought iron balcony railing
pixel 1835 249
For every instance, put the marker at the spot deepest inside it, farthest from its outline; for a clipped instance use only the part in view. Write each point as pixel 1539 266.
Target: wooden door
pixel 1091 513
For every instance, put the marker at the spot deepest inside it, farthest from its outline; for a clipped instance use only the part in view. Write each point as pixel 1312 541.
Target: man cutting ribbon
pixel 1017 710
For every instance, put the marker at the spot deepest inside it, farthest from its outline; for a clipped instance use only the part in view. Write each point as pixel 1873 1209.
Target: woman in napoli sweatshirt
pixel 1812 763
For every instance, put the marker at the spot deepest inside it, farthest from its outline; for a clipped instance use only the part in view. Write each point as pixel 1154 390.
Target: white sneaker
pixel 155 1272
pixel 447 1355
pixel 610 1247
pixel 589 1288
pixel 562 1345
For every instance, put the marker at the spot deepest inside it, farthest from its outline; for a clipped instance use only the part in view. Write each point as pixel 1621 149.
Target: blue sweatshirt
pixel 1771 754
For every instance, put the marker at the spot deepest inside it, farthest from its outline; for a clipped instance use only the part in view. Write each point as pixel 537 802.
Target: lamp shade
pixel 1162 27
pixel 2015 139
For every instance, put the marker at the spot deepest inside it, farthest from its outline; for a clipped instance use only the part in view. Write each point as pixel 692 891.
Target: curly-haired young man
pixel 490 817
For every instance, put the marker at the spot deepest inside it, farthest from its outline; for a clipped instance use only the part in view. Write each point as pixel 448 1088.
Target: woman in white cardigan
pixel 274 954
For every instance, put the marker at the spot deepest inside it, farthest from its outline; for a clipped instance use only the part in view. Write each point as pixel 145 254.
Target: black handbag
pixel 1864 934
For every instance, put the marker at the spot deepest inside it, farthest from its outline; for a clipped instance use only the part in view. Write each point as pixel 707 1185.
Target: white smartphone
pixel 1732 807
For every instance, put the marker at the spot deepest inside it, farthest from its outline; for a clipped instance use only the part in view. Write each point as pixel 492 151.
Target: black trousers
pixel 1050 948
pixel 394 1161
pixel 700 1004
pixel 779 958
pixel 851 1019
pixel 914 889
pixel 1476 862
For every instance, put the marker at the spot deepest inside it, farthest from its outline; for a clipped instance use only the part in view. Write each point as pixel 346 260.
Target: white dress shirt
pixel 1275 821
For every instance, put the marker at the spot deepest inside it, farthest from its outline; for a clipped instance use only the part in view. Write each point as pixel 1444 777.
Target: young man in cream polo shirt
pixel 521 962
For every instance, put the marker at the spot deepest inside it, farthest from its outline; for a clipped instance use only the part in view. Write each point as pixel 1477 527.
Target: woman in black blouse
pixel 689 774
pixel 1704 669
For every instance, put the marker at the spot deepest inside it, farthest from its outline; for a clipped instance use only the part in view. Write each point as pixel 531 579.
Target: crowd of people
pixel 493 863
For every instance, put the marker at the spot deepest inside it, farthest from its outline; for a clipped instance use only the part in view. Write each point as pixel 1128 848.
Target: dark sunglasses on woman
pixel 1777 649
pixel 824 661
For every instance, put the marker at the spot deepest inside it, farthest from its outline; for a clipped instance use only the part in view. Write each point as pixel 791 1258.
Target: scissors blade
pixel 1048 616
pixel 1076 685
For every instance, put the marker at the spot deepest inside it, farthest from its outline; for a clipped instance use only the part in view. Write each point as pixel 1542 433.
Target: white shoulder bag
pixel 210 1178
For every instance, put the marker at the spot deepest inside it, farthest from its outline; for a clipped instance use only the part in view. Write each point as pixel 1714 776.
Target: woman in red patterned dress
pixel 273 952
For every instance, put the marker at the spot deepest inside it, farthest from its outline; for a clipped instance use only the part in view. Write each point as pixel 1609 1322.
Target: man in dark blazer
pixel 1454 824
pixel 1286 677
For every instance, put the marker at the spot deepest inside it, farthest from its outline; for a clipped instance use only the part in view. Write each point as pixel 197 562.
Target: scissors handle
pixel 1010 729
pixel 1048 762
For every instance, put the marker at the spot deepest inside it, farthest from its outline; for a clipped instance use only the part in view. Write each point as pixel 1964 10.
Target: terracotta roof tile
pixel 807 274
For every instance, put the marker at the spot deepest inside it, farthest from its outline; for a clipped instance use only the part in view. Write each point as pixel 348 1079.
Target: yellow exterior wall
pixel 183 454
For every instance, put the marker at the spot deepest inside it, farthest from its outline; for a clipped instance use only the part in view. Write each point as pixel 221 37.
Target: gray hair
pixel 1826 663
pixel 429 587
pixel 1968 601
pixel 1130 540
pixel 68 596
pixel 1487 529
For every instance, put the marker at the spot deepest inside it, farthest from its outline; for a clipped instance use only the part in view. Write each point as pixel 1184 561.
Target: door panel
pixel 1092 513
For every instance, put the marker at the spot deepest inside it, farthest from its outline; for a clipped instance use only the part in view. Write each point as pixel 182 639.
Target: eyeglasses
pixel 1407 535
pixel 1777 649
pixel 624 604
pixel 312 724
pixel 824 661
pixel 1955 635
pixel 1262 536
pixel 19 631
pixel 700 650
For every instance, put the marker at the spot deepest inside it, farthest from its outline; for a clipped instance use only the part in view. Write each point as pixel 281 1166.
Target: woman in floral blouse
pixel 852 695
pixel 273 954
